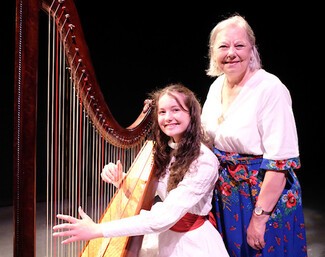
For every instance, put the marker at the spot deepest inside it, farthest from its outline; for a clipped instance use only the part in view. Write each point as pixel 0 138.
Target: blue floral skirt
pixel 239 184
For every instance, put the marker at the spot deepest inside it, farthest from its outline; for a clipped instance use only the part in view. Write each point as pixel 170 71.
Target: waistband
pixel 192 221
pixel 236 158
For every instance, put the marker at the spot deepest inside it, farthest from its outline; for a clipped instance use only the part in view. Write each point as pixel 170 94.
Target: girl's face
pixel 173 119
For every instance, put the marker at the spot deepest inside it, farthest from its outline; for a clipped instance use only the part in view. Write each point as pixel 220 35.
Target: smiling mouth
pixel 232 62
pixel 171 125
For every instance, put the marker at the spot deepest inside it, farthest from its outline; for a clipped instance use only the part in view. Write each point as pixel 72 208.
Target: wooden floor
pixel 314 219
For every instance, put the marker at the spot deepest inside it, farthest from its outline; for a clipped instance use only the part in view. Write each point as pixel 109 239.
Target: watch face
pixel 258 210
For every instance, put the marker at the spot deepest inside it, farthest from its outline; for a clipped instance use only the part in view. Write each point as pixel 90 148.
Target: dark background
pixel 137 48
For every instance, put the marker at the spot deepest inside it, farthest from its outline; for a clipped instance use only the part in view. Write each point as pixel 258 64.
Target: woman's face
pixel 232 50
pixel 173 120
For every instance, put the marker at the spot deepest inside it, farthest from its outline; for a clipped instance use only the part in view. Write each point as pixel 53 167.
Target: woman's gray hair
pixel 255 63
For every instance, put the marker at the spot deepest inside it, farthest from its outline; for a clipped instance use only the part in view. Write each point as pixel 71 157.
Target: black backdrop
pixel 137 48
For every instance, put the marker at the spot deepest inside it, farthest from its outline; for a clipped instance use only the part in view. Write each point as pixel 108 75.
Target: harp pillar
pixel 24 145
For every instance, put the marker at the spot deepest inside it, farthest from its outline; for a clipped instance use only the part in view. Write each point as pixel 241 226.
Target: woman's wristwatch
pixel 259 211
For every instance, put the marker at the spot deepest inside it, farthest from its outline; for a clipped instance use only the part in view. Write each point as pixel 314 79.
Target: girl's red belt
pixel 192 221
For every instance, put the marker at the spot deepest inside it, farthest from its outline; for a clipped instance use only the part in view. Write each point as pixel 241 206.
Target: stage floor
pixel 314 219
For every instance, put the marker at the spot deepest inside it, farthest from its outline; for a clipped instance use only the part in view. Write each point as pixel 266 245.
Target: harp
pixel 81 134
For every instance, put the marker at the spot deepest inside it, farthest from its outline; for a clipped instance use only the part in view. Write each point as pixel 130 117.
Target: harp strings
pixel 76 150
pixel 126 202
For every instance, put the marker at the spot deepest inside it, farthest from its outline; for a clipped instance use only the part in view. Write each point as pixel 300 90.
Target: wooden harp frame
pixel 25 109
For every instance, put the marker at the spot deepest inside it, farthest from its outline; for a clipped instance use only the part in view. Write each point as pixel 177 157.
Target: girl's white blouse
pixel 193 194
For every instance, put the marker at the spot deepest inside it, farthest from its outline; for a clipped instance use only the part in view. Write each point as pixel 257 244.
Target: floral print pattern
pixel 236 192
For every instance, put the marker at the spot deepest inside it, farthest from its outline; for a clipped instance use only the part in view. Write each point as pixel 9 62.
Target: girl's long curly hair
pixel 188 149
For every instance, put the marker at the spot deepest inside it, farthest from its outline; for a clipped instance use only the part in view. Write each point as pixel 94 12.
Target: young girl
pixel 187 170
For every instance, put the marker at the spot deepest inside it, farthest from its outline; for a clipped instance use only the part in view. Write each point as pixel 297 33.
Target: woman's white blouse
pixel 260 121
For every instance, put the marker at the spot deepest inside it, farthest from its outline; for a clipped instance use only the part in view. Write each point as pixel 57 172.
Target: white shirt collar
pixel 172 144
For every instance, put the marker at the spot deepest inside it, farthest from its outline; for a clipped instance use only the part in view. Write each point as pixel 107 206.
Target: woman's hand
pixel 256 231
pixel 82 229
pixel 113 173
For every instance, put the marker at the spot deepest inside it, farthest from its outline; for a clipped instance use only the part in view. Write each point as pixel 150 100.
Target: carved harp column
pixel 80 134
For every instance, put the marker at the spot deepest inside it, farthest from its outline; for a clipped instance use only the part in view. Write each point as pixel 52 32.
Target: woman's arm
pixel 272 187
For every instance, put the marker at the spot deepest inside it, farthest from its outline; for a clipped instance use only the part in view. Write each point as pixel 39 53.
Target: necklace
pixel 221 119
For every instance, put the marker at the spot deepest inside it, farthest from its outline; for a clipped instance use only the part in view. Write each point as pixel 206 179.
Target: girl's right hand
pixel 113 173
